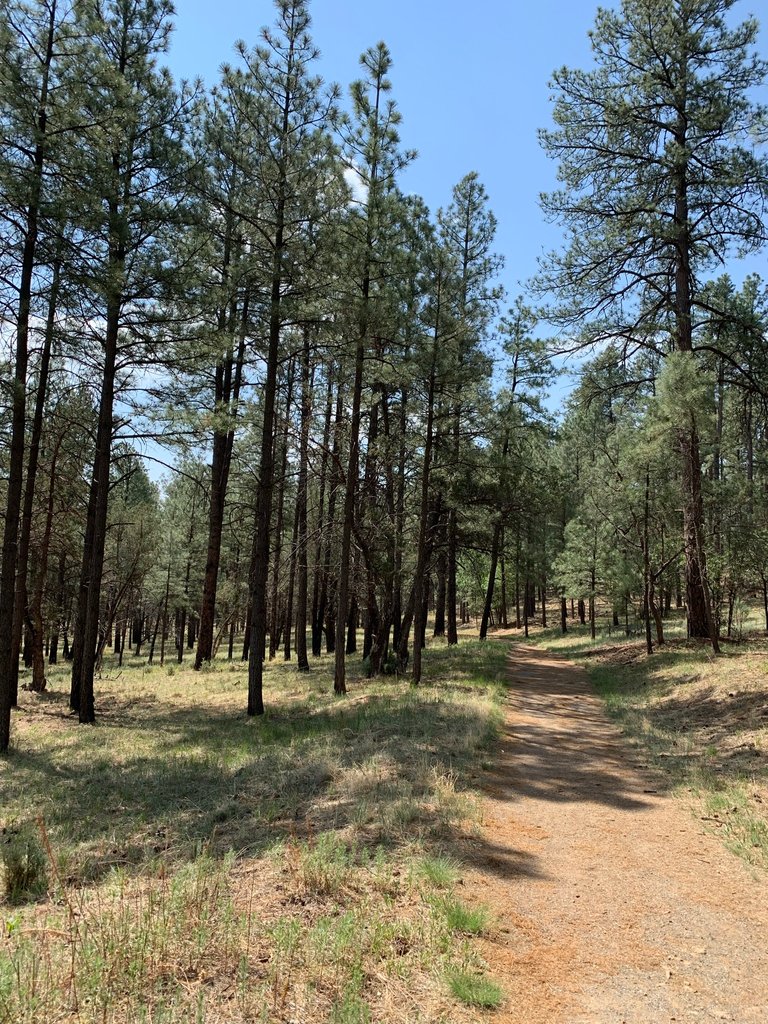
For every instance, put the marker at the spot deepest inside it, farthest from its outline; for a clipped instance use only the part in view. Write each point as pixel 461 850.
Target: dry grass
pixel 210 868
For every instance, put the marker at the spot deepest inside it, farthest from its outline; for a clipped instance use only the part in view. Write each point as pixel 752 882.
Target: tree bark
pixel 491 581
pixel 322 540
pixel 301 513
pixel 90 584
pixel 339 679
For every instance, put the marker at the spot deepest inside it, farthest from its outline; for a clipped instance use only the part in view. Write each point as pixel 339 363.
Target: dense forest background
pixel 256 399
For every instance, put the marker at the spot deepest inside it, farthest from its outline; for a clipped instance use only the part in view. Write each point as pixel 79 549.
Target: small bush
pixel 475 990
pixel 25 874
pixel 391 665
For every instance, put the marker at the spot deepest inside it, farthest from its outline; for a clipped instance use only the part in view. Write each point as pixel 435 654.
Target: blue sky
pixel 471 81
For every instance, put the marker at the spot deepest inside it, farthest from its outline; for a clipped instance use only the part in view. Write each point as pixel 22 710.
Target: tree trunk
pixel 35 613
pixel 274 603
pixel 504 621
pixel 20 606
pixel 491 581
pixel 647 563
pixel 322 529
pixel 425 541
pixel 327 604
pixel 260 556
pixel 440 595
pixel 451 596
pixel 291 585
pixel 83 666
pixel 301 513
pixel 339 680
pixel 164 632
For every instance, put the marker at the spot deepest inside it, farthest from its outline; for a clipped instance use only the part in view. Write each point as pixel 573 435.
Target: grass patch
pixel 24 862
pixel 461 918
pixel 475 990
pixel 221 868
pixel 438 871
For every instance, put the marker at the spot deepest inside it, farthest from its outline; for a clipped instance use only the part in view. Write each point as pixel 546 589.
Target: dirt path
pixel 617 906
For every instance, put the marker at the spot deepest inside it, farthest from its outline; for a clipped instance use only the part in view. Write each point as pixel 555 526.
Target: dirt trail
pixel 616 905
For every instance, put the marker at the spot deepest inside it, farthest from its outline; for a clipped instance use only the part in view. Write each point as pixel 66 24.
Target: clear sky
pixel 471 81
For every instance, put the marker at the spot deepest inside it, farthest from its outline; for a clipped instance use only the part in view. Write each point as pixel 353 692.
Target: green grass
pixel 475 990
pixel 438 871
pixel 206 866
pixel 461 918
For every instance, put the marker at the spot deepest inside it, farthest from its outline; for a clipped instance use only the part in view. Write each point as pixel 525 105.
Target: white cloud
pixel 356 185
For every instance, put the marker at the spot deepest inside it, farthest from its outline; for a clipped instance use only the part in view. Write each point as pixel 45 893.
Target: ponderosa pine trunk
pixel 275 619
pixel 90 583
pixel 450 590
pixel 35 611
pixel 503 560
pixel 440 595
pixel 292 564
pixel 700 620
pixel 423 541
pixel 495 544
pixel 228 380
pixel 301 508
pixel 260 556
pixel 322 540
pixel 20 607
pixel 342 605
pixel 397 589
pixel 326 620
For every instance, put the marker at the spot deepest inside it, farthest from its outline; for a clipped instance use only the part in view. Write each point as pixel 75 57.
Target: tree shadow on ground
pixel 156 781
pixel 558 745
pixel 723 728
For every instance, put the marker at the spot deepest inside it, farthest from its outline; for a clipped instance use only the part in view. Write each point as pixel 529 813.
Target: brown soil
pixel 615 905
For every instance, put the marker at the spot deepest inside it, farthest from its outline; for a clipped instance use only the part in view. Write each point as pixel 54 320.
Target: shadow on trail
pixel 559 746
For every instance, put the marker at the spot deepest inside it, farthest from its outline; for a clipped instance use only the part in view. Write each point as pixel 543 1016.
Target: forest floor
pixel 621 903
pixel 192 866
pixel 500 844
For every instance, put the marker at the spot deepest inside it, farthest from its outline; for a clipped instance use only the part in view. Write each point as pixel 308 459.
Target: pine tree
pixel 132 179
pixel 659 182
pixel 286 111
pixel 28 57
